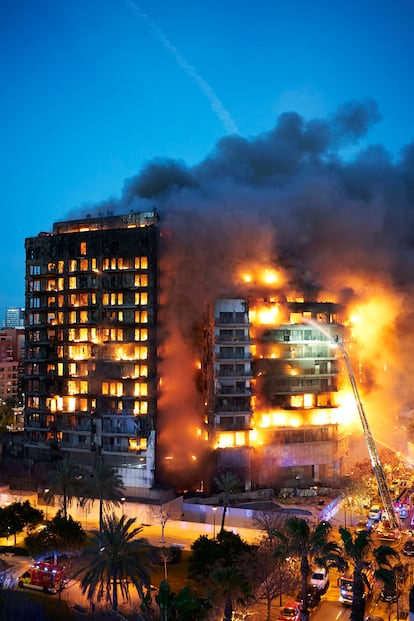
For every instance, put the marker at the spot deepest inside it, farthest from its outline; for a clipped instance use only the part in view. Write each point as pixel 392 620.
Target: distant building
pixel 91 349
pixel 14 317
pixel 11 363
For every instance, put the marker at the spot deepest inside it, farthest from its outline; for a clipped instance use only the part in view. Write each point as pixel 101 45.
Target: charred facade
pixel 91 345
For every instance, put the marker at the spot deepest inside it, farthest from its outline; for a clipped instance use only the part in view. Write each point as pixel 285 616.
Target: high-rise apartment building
pixel 297 396
pixel 14 317
pixel 11 364
pixel 272 393
pixel 91 349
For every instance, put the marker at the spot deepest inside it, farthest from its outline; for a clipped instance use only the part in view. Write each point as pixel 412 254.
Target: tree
pixel 63 481
pixel 121 561
pixel 183 606
pixel 269 520
pixel 301 540
pixel 358 550
pixel 166 555
pixel 15 517
pixel 272 573
pixel 59 536
pixel 207 554
pixel 227 483
pixel 233 583
pixel 6 414
pixel 163 513
pixel 104 484
pixel 221 565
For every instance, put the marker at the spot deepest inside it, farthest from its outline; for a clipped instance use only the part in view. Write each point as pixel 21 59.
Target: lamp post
pixel 350 505
pixel 122 504
pixel 47 490
pixel 214 509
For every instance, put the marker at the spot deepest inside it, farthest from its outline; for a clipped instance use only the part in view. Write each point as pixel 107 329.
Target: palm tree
pixel 184 605
pixel 105 484
pixel 121 561
pixel 64 481
pixel 299 540
pixel 228 483
pixel 359 551
pixel 233 584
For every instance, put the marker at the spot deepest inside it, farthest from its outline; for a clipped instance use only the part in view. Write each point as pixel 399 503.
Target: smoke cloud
pixel 290 198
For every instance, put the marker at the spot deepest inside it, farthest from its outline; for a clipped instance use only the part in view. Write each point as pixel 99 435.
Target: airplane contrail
pixel 216 105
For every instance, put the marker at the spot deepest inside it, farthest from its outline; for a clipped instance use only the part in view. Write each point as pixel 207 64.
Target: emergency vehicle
pixel 45 577
pixel 346 586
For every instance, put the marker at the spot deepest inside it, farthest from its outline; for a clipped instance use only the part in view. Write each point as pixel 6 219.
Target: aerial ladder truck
pixel 383 489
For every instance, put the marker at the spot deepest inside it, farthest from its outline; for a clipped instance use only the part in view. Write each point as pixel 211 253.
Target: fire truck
pixel 346 586
pixel 45 577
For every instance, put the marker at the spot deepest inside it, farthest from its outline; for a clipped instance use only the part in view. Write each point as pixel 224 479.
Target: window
pixel 141 334
pixel 140 389
pixel 141 353
pixel 141 263
pixel 141 316
pixel 34 319
pixel 112 388
pixel 61 267
pixel 141 280
pixel 140 407
pixel 34 270
pixel 83 247
pixel 72 282
pixel 83 265
pixel 34 285
pixel 141 299
pixel 73 264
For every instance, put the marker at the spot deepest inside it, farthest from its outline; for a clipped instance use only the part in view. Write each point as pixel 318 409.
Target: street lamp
pixel 214 509
pixel 350 505
pixel 47 490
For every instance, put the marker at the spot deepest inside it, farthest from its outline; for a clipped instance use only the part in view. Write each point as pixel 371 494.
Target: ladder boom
pixel 372 449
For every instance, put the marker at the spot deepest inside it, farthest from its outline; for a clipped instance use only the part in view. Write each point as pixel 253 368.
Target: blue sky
pixel 93 89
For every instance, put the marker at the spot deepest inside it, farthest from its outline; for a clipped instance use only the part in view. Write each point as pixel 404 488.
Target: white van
pixel 320 578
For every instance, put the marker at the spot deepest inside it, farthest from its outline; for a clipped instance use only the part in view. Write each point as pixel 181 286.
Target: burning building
pixel 91 346
pixel 263 237
pixel 272 380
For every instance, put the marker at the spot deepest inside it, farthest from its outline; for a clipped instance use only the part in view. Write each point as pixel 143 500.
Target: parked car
pixel 408 547
pixel 313 597
pixel 320 578
pixel 389 594
pixel 290 612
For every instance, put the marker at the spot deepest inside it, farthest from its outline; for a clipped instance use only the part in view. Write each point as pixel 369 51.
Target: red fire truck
pixel 44 577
